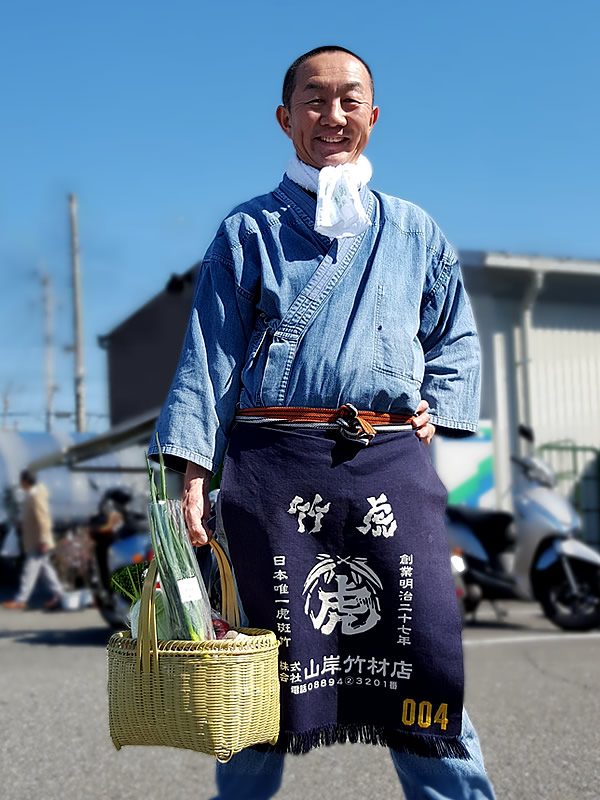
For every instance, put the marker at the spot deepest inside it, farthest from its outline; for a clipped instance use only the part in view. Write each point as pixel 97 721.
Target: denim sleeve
pixel 449 339
pixel 195 419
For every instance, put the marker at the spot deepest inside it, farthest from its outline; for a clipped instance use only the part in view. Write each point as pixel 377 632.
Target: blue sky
pixel 160 117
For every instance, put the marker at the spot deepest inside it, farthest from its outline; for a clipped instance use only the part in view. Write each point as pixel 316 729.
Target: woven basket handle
pixel 230 609
pixel 147 643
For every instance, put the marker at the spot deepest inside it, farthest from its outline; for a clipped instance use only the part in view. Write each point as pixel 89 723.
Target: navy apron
pixel 342 551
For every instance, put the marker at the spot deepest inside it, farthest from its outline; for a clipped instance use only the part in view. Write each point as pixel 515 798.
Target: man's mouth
pixel 331 139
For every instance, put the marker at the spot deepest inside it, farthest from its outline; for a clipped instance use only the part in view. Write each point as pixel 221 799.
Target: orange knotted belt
pixel 359 426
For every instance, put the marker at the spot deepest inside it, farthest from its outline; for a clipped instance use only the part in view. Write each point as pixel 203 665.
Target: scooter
pixel 532 555
pixel 121 537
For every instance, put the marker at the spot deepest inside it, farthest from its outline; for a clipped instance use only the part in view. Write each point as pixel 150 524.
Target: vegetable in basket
pixel 128 581
pixel 186 604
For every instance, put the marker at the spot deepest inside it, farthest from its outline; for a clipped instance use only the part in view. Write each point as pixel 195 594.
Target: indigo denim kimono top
pixel 284 316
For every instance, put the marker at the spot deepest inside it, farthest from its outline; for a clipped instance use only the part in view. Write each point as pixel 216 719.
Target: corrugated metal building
pixel 539 325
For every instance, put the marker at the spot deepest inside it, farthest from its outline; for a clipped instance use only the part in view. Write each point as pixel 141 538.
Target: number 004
pixel 423 718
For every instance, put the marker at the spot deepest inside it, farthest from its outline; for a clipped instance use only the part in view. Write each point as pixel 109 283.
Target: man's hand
pixel 423 428
pixel 195 503
pixel 43 549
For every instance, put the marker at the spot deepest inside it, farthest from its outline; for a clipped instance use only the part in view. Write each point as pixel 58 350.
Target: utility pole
pixel 48 350
pixel 77 322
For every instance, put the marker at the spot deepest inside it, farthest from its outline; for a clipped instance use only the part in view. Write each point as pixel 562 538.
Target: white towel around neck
pixel 340 212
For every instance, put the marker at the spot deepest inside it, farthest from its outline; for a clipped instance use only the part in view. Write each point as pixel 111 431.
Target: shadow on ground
pixel 86 637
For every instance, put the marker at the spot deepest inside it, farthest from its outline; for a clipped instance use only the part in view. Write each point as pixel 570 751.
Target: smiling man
pixel 330 336
pixel 328 110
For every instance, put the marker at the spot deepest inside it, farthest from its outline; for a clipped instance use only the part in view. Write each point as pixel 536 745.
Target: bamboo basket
pixel 215 697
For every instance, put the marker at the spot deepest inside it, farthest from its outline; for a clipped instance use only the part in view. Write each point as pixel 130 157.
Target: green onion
pixel 186 603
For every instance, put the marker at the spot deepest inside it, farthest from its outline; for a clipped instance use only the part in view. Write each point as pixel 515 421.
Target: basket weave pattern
pixel 215 697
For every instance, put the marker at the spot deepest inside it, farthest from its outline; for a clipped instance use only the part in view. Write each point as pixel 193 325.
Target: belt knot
pixel 354 427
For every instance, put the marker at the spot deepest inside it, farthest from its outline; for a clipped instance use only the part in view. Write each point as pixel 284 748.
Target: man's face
pixel 331 112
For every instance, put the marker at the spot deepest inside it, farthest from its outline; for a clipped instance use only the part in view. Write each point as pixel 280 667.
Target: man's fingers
pixel 421 422
pixel 423 406
pixel 426 433
pixel 196 528
pixel 199 536
pixel 421 417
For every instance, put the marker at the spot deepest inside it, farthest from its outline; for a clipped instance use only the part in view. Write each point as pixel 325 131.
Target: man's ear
pixel 284 120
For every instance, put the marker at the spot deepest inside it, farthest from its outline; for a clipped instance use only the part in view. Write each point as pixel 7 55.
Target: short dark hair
pixel 289 82
pixel 27 477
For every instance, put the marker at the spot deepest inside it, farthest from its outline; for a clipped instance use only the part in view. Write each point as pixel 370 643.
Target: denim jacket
pixel 284 316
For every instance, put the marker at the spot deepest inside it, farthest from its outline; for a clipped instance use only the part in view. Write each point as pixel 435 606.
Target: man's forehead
pixel 338 69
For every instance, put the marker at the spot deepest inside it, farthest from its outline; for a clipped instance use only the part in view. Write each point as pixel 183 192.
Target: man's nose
pixel 333 114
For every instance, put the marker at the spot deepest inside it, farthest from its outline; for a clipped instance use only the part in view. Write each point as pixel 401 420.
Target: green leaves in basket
pixel 129 580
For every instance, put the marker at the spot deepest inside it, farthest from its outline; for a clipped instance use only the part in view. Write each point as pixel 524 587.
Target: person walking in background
pixel 38 543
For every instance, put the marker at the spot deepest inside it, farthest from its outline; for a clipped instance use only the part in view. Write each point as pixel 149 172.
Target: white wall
pixel 565 368
pixel 565 385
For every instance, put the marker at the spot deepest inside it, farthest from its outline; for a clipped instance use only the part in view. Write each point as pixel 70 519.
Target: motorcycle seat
pixel 494 529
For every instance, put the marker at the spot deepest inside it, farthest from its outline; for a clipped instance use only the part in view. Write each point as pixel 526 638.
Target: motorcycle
pixel 120 534
pixel 531 555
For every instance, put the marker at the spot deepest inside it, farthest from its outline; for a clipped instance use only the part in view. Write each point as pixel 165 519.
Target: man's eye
pixel 351 101
pixel 315 101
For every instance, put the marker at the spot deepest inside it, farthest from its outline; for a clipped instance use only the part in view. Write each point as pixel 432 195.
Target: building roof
pixel 510 275
pixel 490 259
pixel 177 284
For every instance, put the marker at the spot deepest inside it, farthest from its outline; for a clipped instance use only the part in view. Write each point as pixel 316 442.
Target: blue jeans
pixel 252 775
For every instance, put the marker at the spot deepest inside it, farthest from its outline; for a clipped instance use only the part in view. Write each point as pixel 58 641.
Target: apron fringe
pixel 414 744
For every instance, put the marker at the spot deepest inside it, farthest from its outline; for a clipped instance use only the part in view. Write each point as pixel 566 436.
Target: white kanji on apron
pixel 342 590
pixel 379 519
pixel 307 509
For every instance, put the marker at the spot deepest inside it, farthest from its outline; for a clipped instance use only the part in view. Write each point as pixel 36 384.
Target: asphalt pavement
pixel 532 692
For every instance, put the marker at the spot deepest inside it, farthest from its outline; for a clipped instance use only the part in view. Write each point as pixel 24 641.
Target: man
pixel 327 320
pixel 38 543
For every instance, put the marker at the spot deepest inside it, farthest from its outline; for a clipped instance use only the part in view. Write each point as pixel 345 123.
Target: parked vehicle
pixel 121 537
pixel 532 555
pixel 458 568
